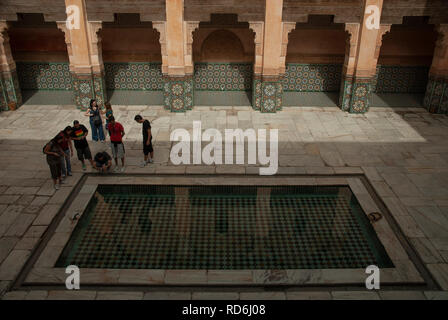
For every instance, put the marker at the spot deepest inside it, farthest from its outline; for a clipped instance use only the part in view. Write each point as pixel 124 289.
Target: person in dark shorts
pixel 54 154
pixel 103 162
pixel 147 140
pixel 79 137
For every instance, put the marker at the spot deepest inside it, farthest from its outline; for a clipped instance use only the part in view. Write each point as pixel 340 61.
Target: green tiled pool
pixel 223 227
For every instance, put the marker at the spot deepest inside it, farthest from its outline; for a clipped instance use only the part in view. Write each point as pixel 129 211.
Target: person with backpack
pixel 96 121
pixel 54 154
pixel 66 146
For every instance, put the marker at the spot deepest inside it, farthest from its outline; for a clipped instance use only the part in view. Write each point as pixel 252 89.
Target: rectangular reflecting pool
pixel 223 227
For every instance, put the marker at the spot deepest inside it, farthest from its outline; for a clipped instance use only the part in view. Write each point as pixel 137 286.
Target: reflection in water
pixel 223 227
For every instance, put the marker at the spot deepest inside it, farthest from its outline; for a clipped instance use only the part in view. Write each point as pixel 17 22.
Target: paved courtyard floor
pixel 403 153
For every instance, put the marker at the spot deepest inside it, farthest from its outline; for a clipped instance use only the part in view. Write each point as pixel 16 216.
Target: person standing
pixel 107 113
pixel 147 140
pixel 66 146
pixel 116 132
pixel 79 137
pixel 96 122
pixel 54 154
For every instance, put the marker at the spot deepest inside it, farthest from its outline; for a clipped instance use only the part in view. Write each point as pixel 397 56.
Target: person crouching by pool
pixel 103 162
pixel 54 154
pixel 116 133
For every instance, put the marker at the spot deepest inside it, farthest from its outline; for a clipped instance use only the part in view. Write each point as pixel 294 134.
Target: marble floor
pixel 403 153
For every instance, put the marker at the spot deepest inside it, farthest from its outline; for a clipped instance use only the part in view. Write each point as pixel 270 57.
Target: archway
pixel 223 55
pixel 40 52
pixel 314 59
pixel 132 61
pixel 403 64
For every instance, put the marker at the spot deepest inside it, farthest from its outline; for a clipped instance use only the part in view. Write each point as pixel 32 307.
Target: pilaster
pixel 85 56
pixel 10 94
pixel 267 87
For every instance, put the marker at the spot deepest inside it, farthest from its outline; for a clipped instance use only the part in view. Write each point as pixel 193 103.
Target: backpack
pixel 96 118
pixel 43 149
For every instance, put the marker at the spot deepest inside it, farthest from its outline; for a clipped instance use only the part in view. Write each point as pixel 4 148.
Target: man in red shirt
pixel 116 133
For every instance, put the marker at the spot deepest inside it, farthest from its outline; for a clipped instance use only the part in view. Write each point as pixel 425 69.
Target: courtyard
pixel 402 152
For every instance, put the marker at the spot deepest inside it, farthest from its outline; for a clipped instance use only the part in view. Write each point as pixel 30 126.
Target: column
pixel 267 87
pixel 178 87
pixel 85 55
pixel 10 94
pixel 361 57
pixel 348 69
pixel 436 96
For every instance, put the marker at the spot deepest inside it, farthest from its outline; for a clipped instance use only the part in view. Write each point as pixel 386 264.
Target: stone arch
pixel 223 51
pixel 404 54
pixel 222 46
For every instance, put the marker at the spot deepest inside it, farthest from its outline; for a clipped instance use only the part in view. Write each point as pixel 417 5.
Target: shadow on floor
pixel 310 99
pixel 47 97
pixel 135 97
pixel 222 98
pixel 409 100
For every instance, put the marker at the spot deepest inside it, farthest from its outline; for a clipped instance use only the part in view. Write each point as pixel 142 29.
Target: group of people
pixel 59 150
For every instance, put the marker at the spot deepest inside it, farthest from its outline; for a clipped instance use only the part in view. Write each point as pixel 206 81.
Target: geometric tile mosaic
pixel 400 79
pixel 436 95
pixel 223 227
pixel 134 76
pixel 178 93
pixel 223 76
pixel 267 95
pixel 44 76
pixel 312 77
pixel 10 90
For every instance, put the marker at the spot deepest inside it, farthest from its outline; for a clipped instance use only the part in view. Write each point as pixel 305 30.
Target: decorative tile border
pixel 345 93
pixel 436 96
pixel 3 103
pixel 99 88
pixel 223 76
pixel 400 79
pixel 267 95
pixel 312 77
pixel 134 76
pixel 86 87
pixel 360 95
pixel 44 273
pixel 10 90
pixel 178 93
pixel 44 75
